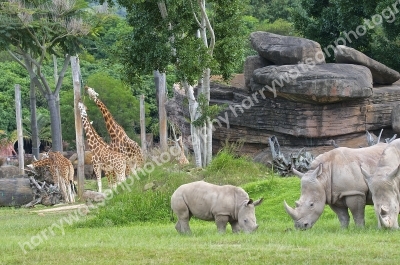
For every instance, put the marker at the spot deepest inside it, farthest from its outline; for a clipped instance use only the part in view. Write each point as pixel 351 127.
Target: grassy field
pixel 135 228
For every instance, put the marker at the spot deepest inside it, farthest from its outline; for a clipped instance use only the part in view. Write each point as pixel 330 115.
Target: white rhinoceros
pixel 335 179
pixel 384 184
pixel 209 202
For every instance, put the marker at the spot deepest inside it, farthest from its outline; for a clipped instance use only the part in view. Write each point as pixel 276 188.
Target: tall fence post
pixel 78 125
pixel 143 126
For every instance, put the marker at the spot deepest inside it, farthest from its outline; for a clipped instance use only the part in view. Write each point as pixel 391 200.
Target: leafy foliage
pixel 207 111
pixel 271 10
pixel 43 124
pixel 325 21
pixel 12 74
pixel 120 102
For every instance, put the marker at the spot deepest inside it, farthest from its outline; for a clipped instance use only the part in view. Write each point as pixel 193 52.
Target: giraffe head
pixel 92 94
pixel 82 109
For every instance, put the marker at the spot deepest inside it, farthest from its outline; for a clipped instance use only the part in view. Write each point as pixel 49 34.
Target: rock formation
pixel 308 104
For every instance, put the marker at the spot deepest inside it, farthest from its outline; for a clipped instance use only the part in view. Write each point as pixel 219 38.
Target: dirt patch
pixel 61 208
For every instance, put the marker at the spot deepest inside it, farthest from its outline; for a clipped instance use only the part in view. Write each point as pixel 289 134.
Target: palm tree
pixel 43 125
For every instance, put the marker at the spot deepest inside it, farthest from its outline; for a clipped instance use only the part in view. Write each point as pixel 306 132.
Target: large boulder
pixel 8 171
pixel 252 63
pixel 396 118
pixel 318 84
pixel 283 50
pixel 15 191
pixel 381 74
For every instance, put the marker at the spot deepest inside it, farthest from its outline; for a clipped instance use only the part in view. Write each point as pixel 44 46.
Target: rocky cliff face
pixel 307 104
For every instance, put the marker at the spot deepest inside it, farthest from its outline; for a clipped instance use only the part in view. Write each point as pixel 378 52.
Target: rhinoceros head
pixel 312 200
pixel 247 217
pixel 386 197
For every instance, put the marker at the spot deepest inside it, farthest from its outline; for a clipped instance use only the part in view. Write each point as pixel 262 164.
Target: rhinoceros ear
pixel 317 171
pixel 393 174
pixel 258 202
pixel 367 176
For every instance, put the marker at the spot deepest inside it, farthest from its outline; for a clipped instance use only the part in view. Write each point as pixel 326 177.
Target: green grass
pixel 135 228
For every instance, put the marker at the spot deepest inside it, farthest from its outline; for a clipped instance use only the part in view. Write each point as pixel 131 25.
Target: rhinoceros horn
pixel 384 211
pixel 292 212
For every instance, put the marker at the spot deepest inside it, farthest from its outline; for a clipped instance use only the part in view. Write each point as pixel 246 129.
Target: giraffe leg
pixel 97 172
pixel 110 179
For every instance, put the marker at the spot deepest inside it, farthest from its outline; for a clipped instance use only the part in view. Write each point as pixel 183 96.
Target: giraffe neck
pixel 91 134
pixel 113 127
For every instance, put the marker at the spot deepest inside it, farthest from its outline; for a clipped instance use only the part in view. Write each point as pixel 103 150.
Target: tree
pixel 378 31
pixel 43 125
pixel 325 21
pixel 31 31
pixel 196 38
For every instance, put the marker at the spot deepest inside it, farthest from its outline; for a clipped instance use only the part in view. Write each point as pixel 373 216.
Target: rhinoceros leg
pixel 235 226
pixel 343 215
pixel 182 212
pixel 221 221
pixel 356 205
pixel 182 226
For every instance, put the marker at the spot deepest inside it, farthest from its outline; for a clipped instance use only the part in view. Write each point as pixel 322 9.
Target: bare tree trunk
pixel 34 127
pixel 195 132
pixel 78 125
pixel 208 132
pixel 19 129
pixel 54 118
pixel 56 77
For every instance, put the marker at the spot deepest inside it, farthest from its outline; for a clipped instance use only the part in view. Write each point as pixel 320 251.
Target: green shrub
pixel 153 205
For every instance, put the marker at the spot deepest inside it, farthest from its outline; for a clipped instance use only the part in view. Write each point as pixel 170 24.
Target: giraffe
pixel 120 141
pixel 103 158
pixel 62 171
pixel 182 158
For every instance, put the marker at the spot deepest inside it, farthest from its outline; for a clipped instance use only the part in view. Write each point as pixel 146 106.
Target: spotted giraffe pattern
pixel 182 158
pixel 120 141
pixel 62 171
pixel 103 158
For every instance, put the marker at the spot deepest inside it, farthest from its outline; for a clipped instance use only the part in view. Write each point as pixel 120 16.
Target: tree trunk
pixel 18 113
pixel 34 129
pixel 56 77
pixel 195 132
pixel 208 132
pixel 55 129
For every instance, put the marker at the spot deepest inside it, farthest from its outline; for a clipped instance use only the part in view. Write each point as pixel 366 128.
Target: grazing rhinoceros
pixel 335 179
pixel 211 202
pixel 384 184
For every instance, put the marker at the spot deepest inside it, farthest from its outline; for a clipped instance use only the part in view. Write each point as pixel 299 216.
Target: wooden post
pixel 18 114
pixel 162 113
pixel 143 126
pixel 78 125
